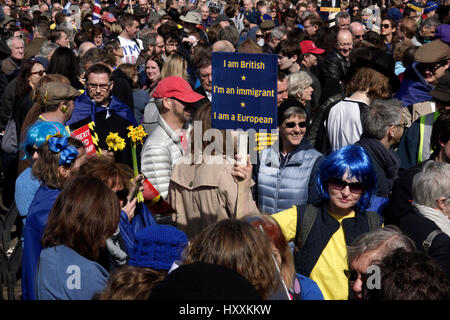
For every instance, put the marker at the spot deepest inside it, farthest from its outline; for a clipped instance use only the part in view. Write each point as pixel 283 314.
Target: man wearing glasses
pixel 358 31
pixel 109 114
pixel 383 125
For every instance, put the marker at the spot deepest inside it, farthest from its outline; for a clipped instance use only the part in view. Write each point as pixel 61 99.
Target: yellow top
pixel 328 272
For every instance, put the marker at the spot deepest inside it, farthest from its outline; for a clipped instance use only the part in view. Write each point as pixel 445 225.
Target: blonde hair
pixel 175 65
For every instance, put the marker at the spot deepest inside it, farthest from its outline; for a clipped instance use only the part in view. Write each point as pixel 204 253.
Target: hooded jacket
pixel 414 90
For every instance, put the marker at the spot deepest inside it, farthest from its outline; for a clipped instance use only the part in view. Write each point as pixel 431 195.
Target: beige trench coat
pixel 204 194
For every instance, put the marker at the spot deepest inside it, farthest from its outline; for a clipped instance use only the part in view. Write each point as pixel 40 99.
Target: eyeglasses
pixel 386 26
pixel 292 124
pixel 259 36
pixel 31 150
pixel 358 36
pixel 122 194
pixel 94 86
pixel 305 27
pixel 40 73
pixel 339 184
pixel 404 125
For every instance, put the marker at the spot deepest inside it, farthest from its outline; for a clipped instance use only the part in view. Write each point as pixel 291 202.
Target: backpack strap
pixel 428 241
pixel 307 218
pixel 374 220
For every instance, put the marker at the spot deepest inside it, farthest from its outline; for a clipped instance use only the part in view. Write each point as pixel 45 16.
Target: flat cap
pixel 433 51
pixel 56 92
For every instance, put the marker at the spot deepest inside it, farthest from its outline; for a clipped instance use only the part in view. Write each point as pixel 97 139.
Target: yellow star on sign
pixel 243 78
pixel 242 104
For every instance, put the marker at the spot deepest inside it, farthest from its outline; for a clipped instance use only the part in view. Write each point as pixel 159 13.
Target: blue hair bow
pixel 67 153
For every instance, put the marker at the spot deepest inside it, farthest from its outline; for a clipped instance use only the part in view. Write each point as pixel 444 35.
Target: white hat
pixel 192 17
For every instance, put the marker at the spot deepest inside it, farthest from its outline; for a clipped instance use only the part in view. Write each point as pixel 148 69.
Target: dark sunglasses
pixel 31 150
pixel 122 194
pixel 351 274
pixel 40 72
pixel 432 67
pixel 387 25
pixel 292 124
pixel 339 184
pixel 259 36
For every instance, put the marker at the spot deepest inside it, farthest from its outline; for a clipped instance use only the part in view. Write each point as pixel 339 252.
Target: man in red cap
pixel 308 60
pixel 309 54
pixel 167 142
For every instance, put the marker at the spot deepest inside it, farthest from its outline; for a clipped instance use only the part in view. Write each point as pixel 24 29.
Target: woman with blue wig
pixel 346 183
pixel 59 158
pixel 26 183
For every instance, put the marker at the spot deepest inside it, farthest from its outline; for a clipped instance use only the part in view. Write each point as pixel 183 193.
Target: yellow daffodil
pixel 136 134
pixel 115 142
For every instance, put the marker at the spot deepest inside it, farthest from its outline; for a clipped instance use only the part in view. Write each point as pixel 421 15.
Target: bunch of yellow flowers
pixel 136 134
pixel 115 142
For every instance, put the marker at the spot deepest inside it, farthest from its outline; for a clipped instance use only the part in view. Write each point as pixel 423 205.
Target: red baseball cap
pixel 176 87
pixel 109 17
pixel 308 46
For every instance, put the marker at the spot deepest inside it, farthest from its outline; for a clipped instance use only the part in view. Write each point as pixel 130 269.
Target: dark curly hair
pixel 410 276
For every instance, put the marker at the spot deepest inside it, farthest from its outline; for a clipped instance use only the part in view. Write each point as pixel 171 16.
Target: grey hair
pixel 297 82
pixel 429 22
pixel 305 14
pixel 229 33
pixel 10 41
pixel 341 15
pixel 149 39
pixel 293 111
pixel 277 33
pixel 67 27
pixel 379 116
pixel 431 183
pixel 47 48
pixel 382 240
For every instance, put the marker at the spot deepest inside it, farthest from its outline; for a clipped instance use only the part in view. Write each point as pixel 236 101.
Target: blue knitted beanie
pixel 157 247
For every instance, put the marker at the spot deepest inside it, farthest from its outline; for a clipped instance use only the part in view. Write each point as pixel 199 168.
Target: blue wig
pixel 359 165
pixel 37 134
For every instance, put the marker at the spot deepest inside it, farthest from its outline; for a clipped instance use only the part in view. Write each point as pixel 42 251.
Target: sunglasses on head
pixel 40 72
pixel 339 184
pixel 291 125
pixel 122 194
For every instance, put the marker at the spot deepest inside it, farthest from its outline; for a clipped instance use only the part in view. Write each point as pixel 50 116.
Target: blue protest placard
pixel 244 93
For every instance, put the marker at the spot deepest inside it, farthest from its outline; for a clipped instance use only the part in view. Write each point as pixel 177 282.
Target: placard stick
pixel 242 152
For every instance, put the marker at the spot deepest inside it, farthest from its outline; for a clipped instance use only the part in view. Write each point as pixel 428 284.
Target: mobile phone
pixel 137 186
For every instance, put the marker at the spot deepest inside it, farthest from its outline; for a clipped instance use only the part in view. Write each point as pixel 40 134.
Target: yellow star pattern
pixel 243 78
pixel 242 104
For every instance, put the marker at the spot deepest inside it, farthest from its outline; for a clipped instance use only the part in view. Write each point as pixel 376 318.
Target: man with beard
pixel 168 141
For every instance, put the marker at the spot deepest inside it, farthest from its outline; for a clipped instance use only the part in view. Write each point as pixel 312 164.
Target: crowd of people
pixel 126 191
